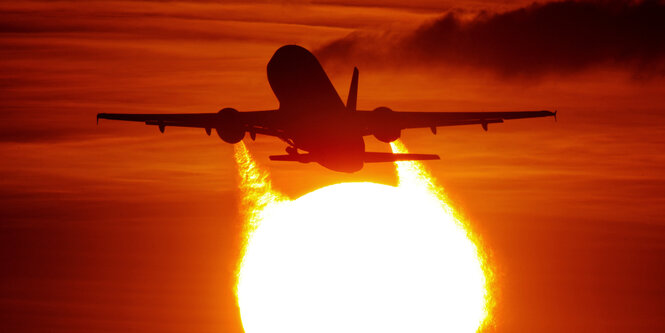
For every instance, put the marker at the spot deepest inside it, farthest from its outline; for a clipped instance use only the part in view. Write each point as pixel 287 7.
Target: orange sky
pixel 117 227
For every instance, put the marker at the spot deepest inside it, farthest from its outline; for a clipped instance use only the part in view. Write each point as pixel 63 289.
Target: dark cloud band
pixel 540 38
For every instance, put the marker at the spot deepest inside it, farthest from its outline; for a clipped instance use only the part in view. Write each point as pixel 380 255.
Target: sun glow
pixel 358 257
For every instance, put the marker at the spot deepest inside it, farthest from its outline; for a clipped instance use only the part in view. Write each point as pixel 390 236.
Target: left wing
pixel 261 122
pixel 386 118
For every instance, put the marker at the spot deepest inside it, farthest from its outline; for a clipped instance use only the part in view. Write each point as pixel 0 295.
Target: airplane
pixel 312 117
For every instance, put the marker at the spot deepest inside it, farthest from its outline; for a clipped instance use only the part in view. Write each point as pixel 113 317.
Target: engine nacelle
pixel 230 129
pixel 383 130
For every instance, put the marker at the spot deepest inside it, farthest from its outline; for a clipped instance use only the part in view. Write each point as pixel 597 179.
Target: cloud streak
pixel 566 36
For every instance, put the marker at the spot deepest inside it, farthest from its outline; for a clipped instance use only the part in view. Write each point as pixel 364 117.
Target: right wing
pixel 261 122
pixel 386 118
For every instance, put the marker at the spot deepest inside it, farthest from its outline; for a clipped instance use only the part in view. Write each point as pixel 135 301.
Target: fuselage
pixel 318 120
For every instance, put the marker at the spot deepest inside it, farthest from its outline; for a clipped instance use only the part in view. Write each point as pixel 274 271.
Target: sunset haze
pixel 116 227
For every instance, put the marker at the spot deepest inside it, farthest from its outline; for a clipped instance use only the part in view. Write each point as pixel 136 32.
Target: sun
pixel 359 257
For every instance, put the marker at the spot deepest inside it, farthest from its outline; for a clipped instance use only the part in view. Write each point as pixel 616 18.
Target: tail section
pixel 353 91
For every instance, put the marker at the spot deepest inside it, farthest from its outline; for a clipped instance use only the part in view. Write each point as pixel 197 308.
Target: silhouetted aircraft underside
pixel 312 118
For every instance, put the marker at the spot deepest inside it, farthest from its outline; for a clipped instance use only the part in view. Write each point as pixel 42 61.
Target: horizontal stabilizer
pixel 302 158
pixel 371 157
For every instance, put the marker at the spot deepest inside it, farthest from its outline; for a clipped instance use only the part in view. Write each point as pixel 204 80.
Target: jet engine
pixel 230 129
pixel 384 131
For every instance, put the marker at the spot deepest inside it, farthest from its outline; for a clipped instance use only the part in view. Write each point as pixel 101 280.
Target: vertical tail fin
pixel 353 91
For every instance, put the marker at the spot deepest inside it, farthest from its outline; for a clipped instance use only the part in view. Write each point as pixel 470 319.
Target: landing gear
pixel 292 150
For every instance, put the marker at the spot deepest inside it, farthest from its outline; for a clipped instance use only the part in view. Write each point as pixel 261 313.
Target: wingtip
pixel 555 111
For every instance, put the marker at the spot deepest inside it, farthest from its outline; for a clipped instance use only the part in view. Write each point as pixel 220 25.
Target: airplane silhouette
pixel 312 117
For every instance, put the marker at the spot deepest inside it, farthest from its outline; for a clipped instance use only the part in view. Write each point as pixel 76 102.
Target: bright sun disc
pixel 361 257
